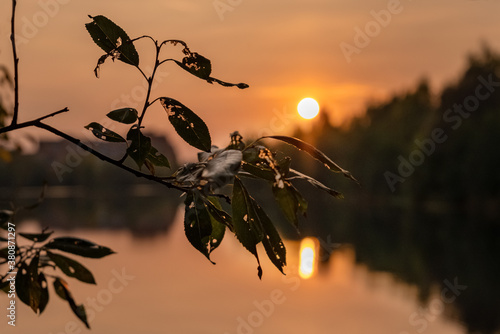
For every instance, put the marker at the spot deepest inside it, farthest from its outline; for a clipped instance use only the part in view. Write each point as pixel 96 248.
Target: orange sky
pixel 285 50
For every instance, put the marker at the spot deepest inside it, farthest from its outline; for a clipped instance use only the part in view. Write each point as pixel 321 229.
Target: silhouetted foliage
pixel 216 196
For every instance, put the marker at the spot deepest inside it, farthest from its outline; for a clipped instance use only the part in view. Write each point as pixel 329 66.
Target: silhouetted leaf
pixel 37 237
pixel 261 163
pixel 35 290
pixel 5 218
pixel 44 292
pixel 111 38
pixel 104 134
pixel 62 290
pixel 23 284
pixel 315 153
pixel 216 211
pixel 28 286
pixel 157 159
pixel 197 65
pixel 261 172
pixel 5 286
pixel 124 115
pixel 140 146
pixel 188 125
pixel 203 232
pixel 218 229
pixel 72 268
pixel 272 242
pixel 245 221
pixel 252 225
pixel 290 201
pixel 227 84
pixel 318 184
pixel 79 247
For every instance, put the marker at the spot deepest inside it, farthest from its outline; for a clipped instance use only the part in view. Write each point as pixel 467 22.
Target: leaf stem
pixel 165 60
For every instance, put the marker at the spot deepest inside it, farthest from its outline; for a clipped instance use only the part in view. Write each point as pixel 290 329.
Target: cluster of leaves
pixel 190 127
pixel 36 261
pixel 216 170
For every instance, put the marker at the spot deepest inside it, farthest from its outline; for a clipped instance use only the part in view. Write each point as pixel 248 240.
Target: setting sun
pixel 308 257
pixel 308 108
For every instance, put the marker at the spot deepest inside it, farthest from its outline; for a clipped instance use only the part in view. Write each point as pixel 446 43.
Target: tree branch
pixel 105 158
pixel 18 126
pixel 118 163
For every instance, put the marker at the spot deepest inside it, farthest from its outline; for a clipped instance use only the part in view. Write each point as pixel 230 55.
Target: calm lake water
pixel 163 285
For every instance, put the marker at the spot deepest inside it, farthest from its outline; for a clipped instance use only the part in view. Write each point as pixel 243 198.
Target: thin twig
pixel 150 81
pixel 16 63
pixel 18 126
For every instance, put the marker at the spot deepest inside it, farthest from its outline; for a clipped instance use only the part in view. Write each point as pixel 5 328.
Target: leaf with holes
pixel 314 152
pixel 104 134
pixel 23 284
pixel 188 125
pixel 157 159
pixel 111 38
pixel 290 201
pixel 62 290
pixel 79 247
pixel 247 227
pixel 203 232
pixel 72 268
pixel 124 115
pixel 30 286
pixel 272 242
pixel 44 292
pixel 215 209
pixel 197 65
pixel 140 146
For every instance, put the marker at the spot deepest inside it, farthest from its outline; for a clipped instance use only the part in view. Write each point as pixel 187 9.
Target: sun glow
pixel 308 108
pixel 308 257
